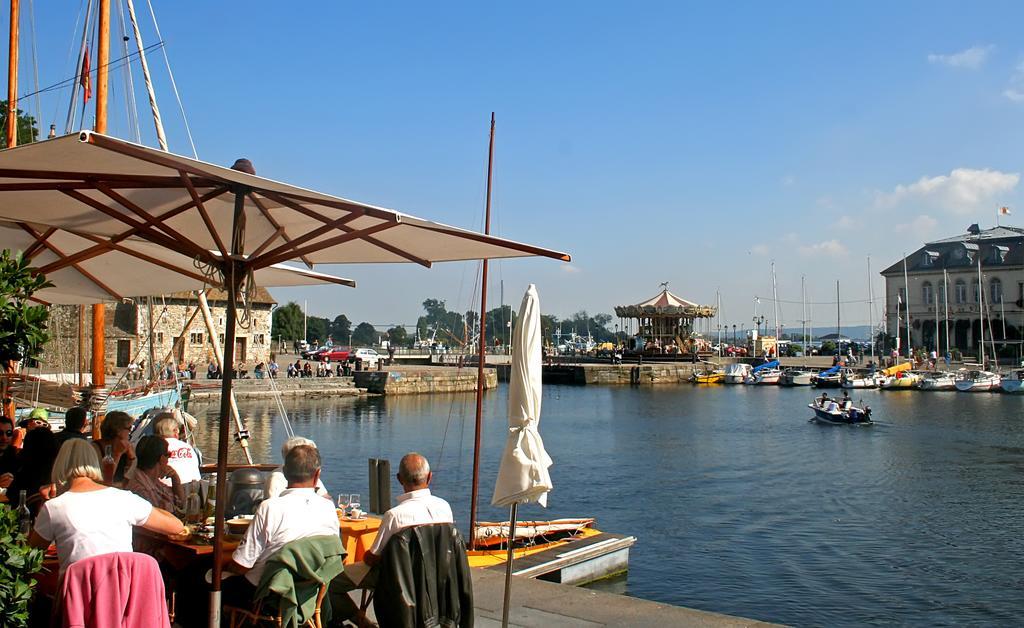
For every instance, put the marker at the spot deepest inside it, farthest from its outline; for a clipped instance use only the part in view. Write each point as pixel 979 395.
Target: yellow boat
pixel 716 377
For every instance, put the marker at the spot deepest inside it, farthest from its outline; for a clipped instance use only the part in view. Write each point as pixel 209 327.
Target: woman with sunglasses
pixel 152 468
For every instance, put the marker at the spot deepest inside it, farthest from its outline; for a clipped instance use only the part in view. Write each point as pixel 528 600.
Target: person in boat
pixel 115 432
pixel 277 482
pixel 823 399
pixel 148 480
pixel 416 506
pixel 833 407
pixel 87 518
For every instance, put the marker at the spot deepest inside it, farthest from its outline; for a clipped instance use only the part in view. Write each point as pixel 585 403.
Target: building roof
pixel 666 299
pixel 216 294
pixel 998 247
pixel 665 304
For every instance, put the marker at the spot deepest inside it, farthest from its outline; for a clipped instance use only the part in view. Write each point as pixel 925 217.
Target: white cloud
pixel 845 222
pixel 1015 92
pixel 920 226
pixel 1014 95
pixel 570 269
pixel 759 249
pixel 829 248
pixel 970 59
pixel 788 180
pixel 962 191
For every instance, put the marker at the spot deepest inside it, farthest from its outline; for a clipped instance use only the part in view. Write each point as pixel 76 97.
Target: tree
pixel 398 337
pixel 449 326
pixel 22 325
pixel 287 322
pixel 364 334
pixel 497 324
pixel 317 329
pixel 27 131
pixel 340 329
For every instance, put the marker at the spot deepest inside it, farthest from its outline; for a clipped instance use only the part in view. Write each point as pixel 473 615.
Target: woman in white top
pixel 88 518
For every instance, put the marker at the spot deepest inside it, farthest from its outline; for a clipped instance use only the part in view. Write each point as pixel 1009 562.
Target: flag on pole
pixel 1004 211
pixel 84 79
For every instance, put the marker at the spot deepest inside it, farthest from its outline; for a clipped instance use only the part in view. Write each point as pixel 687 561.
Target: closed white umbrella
pixel 523 476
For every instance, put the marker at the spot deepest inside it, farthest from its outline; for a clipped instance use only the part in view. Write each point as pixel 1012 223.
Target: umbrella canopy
pixel 96 184
pixel 131 268
pixel 523 476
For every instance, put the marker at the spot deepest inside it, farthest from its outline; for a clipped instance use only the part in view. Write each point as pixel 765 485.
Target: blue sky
pixel 680 142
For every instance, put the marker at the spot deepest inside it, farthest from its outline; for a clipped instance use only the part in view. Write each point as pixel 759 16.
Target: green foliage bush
pixel 22 324
pixel 18 563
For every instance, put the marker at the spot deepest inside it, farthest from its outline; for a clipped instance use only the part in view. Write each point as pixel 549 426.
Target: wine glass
pixel 343 503
pixel 353 502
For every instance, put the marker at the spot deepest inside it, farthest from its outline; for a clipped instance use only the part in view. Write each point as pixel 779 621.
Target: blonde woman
pixel 88 518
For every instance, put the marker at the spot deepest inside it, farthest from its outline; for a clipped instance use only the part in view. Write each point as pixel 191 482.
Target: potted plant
pixel 18 564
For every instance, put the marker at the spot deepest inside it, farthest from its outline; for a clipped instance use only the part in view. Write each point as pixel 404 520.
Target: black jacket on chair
pixel 423 579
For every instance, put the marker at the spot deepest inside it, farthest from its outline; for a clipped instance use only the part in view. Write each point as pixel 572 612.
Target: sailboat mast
pixel 871 318
pixel 803 311
pixel 99 379
pixel 775 309
pixel 981 313
pixel 945 297
pixel 12 76
pixel 906 295
pixel 839 319
pixel 718 298
pixel 480 349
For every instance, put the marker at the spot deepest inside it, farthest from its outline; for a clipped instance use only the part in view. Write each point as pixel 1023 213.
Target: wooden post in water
pixel 480 352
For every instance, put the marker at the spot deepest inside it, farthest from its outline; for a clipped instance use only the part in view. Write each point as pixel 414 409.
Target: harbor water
pixel 739 504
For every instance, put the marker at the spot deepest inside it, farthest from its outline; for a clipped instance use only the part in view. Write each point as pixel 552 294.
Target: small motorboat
pixel 839 412
pixel 1013 383
pixel 977 381
pixel 938 381
pixel 765 377
pixel 737 373
pixel 796 377
pixel 850 379
pixel 832 378
pixel 904 380
pixel 710 376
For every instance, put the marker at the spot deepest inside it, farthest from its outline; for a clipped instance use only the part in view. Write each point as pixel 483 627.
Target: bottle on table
pixel 24 514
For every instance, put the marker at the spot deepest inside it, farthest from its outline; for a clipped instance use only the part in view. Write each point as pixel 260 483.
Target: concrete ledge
pixel 538 603
pixel 411 381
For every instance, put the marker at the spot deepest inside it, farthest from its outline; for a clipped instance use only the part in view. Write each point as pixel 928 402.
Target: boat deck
pixel 595 557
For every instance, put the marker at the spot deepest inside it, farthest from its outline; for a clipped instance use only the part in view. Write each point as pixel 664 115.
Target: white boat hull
pixel 1012 386
pixel 976 386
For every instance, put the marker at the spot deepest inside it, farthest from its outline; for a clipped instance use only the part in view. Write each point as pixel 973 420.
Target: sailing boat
pixel 571 550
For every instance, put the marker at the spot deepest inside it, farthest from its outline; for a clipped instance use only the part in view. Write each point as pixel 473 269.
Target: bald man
pixel 416 506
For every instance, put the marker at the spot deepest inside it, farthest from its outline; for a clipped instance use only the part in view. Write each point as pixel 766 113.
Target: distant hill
pixel 857 332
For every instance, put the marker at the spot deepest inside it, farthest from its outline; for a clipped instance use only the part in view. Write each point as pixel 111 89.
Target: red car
pixel 334 355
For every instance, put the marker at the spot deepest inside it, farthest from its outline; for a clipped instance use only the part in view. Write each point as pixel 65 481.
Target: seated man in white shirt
pixel 297 513
pixel 416 507
pixel 276 482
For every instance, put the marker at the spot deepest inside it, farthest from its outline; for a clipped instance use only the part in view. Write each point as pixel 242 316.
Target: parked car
pixel 368 356
pixel 334 354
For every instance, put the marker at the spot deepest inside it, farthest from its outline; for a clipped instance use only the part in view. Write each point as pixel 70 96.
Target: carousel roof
pixel 666 304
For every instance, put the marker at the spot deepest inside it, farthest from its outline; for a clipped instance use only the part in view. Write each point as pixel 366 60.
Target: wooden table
pixel 357 534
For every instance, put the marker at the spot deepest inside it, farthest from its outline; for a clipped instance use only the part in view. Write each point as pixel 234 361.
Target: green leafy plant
pixel 22 324
pixel 18 563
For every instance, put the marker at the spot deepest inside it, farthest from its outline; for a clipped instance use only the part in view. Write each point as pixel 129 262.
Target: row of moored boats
pixel 899 377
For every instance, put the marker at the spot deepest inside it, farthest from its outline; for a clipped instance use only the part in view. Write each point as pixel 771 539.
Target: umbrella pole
pixel 233 274
pixel 508 564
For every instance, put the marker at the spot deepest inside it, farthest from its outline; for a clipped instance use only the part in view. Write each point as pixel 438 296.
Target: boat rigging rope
pixel 174 85
pixel 129 81
pixel 161 137
pixel 35 57
pixel 72 111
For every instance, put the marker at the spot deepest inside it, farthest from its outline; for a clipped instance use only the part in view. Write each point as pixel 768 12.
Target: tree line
pixel 437 325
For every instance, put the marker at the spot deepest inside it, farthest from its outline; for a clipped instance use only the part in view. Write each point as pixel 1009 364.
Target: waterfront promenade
pixel 539 603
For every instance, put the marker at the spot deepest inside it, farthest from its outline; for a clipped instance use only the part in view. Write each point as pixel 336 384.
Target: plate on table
pixel 239 525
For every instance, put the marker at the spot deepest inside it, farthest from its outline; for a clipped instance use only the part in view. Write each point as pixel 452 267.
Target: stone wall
pixel 126 330
pixel 435 380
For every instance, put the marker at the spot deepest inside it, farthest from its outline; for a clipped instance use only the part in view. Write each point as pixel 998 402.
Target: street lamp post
pixel 734 334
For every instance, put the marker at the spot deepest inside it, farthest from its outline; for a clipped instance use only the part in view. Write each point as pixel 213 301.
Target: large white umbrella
pixel 523 476
pixel 98 185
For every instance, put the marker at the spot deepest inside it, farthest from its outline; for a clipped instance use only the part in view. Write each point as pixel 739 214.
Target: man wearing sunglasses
pixel 8 455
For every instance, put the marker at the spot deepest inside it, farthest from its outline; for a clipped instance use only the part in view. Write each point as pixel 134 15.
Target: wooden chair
pixel 257 616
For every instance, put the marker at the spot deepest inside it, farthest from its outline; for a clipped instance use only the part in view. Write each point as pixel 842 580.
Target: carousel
pixel 666 324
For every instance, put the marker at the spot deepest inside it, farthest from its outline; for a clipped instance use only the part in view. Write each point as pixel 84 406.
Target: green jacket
pixel 296 572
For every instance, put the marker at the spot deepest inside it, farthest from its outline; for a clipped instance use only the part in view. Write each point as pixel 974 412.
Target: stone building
pixel 127 328
pixel 997 300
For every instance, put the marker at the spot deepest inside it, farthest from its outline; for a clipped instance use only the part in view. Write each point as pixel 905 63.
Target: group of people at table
pixel 95 492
